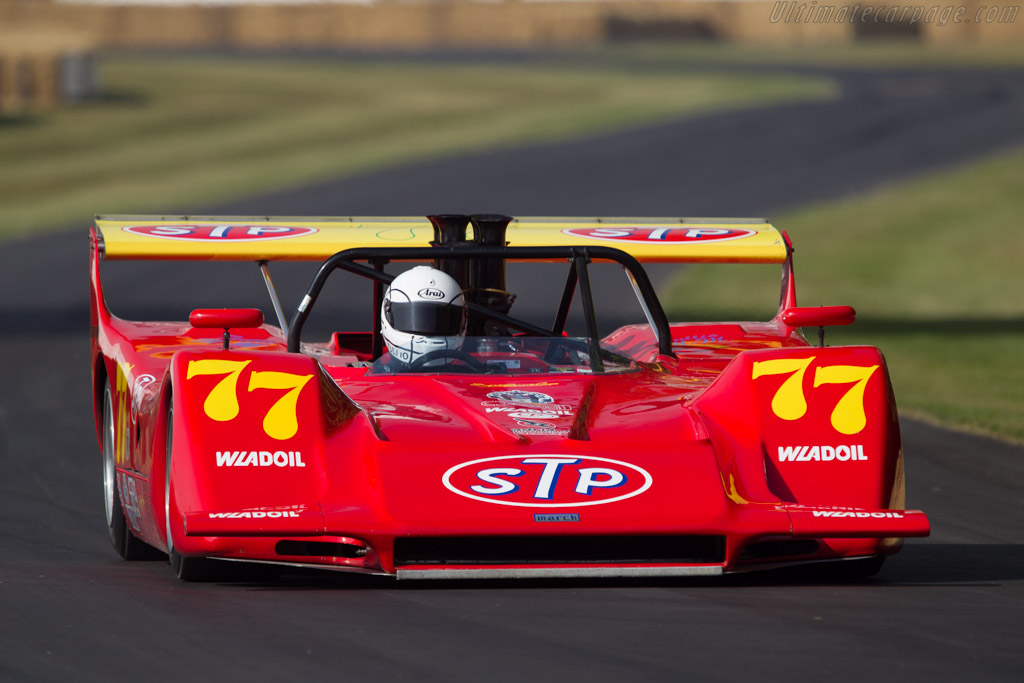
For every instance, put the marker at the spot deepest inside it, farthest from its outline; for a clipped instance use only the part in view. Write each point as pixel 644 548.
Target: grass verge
pixel 933 268
pixel 175 133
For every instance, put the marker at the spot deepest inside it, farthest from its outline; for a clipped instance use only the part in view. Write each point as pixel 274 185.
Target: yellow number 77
pixel 280 422
pixel 789 403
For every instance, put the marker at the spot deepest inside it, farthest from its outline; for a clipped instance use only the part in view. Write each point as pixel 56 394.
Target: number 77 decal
pixel 282 420
pixel 221 404
pixel 789 402
pixel 848 416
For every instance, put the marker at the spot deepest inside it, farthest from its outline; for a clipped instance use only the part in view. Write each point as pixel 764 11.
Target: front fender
pixel 812 426
pixel 249 434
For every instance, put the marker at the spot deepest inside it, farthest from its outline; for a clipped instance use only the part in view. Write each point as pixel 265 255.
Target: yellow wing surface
pixel 231 238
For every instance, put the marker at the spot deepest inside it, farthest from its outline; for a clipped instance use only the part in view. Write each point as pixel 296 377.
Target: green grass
pixel 960 373
pixel 183 132
pixel 933 267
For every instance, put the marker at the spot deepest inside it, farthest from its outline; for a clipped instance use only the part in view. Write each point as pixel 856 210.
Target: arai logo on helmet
pixel 661 234
pixel 547 481
pixel 219 233
pixel 430 293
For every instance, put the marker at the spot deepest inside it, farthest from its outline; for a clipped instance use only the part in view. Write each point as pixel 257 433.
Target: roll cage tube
pixel 563 307
pixel 580 264
pixel 579 256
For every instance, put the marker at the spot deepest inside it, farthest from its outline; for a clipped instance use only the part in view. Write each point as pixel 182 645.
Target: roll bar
pixel 578 257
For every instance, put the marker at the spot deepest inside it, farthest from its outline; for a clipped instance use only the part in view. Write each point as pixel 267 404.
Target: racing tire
pixel 192 569
pixel 203 569
pixel 196 569
pixel 127 545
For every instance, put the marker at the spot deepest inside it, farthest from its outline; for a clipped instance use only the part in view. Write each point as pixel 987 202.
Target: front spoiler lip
pixel 512 573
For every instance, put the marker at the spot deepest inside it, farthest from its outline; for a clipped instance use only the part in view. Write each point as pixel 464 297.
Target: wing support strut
pixel 278 311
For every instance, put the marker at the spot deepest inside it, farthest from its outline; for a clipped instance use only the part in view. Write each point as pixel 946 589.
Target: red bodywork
pixel 749 449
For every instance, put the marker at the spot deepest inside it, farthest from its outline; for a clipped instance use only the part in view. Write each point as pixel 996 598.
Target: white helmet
pixel 423 311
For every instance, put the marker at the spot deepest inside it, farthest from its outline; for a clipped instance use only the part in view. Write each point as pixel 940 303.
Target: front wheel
pixel 121 537
pixel 196 569
pixel 185 568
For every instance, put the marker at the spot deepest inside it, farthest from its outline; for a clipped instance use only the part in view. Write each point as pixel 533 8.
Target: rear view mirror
pixel 225 319
pixel 820 317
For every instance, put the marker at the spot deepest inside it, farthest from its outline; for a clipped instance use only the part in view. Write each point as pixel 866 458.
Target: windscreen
pixel 514 355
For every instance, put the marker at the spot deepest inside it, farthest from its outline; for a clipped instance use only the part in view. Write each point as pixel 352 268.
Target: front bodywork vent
pixel 527 550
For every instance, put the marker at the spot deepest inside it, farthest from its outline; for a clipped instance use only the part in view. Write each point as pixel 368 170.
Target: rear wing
pixel 246 238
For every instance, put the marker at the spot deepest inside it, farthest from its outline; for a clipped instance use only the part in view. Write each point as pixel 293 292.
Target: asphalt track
pixel 947 608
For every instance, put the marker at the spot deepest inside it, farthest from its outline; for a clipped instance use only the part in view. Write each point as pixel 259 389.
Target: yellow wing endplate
pixel 224 238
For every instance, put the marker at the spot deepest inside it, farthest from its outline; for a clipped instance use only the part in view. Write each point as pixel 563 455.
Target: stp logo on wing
pixel 547 481
pixel 220 233
pixel 661 234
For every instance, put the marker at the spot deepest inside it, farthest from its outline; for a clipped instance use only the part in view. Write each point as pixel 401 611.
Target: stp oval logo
pixel 547 481
pixel 220 233
pixel 661 234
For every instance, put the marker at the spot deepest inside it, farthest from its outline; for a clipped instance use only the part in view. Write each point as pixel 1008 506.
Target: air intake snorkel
pixel 482 279
pixel 450 231
pixel 487 275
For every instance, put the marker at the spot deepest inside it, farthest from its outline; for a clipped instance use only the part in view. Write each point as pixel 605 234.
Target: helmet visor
pixel 425 317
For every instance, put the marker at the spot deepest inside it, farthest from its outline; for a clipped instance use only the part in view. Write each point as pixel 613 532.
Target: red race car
pixel 458 439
